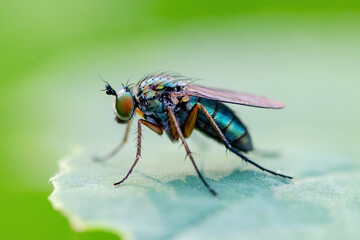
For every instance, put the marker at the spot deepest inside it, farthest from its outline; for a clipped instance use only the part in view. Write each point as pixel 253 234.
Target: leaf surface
pixel 168 201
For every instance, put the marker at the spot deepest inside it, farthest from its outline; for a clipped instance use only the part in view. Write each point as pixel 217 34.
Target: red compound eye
pixel 124 105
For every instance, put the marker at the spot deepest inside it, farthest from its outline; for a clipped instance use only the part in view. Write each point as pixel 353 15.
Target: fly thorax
pixel 152 105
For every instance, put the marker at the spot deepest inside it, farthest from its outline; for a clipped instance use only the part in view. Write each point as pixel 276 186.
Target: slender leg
pixel 153 127
pixel 190 121
pixel 181 136
pixel 117 148
pixel 173 130
pixel 231 148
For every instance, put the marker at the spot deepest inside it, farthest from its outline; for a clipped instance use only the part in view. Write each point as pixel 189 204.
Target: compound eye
pixel 124 105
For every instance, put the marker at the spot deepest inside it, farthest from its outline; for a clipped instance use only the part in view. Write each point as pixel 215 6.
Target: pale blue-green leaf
pixel 164 199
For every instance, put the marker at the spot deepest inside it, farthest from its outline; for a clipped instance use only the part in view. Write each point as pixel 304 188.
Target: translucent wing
pixel 231 97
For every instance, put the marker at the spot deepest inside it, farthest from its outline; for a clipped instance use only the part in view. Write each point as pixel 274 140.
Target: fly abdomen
pixel 230 125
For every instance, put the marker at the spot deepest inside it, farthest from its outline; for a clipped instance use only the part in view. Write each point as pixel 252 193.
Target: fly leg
pixel 117 148
pixel 152 126
pixel 231 148
pixel 188 152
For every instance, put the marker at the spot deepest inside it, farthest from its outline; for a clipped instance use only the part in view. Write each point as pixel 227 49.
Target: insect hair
pixel 170 74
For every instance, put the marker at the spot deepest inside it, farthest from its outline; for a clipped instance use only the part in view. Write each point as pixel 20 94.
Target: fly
pixel 168 103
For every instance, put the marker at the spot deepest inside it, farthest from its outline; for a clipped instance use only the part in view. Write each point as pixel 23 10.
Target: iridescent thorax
pixel 155 93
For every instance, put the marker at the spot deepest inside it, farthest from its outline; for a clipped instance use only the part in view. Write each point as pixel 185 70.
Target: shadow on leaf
pixel 239 183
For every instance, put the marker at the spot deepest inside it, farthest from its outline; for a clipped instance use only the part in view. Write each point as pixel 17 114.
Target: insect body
pixel 166 102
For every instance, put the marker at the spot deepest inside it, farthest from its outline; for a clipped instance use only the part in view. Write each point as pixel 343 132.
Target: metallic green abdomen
pixel 231 126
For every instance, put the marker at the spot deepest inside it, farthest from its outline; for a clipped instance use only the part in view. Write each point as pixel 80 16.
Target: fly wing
pixel 231 97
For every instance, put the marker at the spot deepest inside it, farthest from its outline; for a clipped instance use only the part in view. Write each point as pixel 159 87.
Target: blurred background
pixel 304 53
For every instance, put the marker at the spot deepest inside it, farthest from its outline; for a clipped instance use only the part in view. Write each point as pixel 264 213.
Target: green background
pixel 305 53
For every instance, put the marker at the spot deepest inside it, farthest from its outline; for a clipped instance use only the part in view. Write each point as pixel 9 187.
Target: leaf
pixel 164 199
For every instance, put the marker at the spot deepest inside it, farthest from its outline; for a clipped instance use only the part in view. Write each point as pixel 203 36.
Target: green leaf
pixel 164 199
